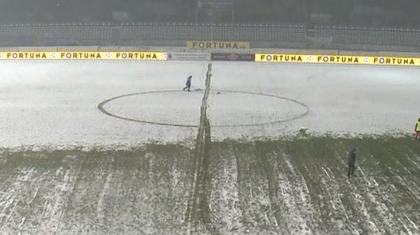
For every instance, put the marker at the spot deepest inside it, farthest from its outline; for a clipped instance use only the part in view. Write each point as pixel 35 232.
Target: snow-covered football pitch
pixel 115 148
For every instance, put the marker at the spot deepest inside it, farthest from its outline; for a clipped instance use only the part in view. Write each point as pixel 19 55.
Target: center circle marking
pixel 292 118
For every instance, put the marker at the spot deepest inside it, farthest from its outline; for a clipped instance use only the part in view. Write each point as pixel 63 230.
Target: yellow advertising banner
pixel 83 56
pixel 337 59
pixel 217 45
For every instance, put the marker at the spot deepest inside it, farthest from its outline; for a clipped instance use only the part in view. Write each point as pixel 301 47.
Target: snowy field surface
pixel 118 148
pixel 55 103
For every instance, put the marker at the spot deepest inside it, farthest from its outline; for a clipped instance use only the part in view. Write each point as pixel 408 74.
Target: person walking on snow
pixel 351 162
pixel 417 129
pixel 188 83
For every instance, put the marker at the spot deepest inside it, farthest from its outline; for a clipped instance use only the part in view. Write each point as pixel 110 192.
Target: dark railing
pixel 204 31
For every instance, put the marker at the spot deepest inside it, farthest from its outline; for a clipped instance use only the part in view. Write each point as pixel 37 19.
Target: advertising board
pixel 336 59
pixel 232 57
pixel 218 45
pixel 83 55
pixel 186 56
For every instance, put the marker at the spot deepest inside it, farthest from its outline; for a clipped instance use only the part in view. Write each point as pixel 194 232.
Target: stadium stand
pixel 99 32
pixel 112 22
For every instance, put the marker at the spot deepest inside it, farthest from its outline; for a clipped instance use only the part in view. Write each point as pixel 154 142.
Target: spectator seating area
pixel 203 31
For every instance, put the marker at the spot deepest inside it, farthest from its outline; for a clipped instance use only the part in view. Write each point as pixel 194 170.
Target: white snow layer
pixel 53 103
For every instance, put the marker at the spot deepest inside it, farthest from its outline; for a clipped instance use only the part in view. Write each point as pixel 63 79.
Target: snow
pixel 54 103
pixel 342 99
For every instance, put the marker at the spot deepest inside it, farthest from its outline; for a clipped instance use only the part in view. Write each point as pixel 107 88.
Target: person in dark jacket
pixel 188 83
pixel 351 162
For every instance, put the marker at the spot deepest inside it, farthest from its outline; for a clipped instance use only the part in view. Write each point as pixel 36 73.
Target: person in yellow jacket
pixel 417 129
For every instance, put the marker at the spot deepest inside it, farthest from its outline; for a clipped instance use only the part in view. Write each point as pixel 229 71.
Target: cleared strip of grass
pixel 262 187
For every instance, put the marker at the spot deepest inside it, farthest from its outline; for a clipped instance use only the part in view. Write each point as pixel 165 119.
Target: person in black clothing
pixel 351 162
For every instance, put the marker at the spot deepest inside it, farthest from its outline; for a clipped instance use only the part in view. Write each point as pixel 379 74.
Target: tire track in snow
pixel 380 194
pixel 8 203
pixel 224 202
pixel 302 201
pixel 310 172
pixel 253 193
pixel 338 217
pixel 277 214
pixel 100 203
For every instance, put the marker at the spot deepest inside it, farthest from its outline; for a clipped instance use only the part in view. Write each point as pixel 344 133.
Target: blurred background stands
pixel 369 13
pixel 176 34
pixel 271 23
